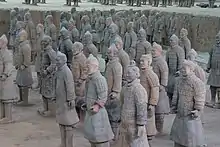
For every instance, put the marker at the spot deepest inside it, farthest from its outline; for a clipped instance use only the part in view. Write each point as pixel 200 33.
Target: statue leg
pixel 68 136
pixel 150 141
pixel 24 92
pixel 8 113
pixel 44 111
pixel 115 130
pixel 2 113
pixel 62 134
pixel 105 144
pixel 213 96
pixel 159 118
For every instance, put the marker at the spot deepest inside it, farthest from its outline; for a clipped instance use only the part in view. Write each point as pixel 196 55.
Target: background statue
pixel 184 42
pixel 51 31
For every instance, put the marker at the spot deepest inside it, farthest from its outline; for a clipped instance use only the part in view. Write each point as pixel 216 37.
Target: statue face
pixel 131 75
pixel 59 62
pixel 112 30
pixel 173 42
pixel 144 63
pixel 185 71
pixel 92 68
pixel 182 34
pixel 155 53
pixel 130 26
pixel 191 57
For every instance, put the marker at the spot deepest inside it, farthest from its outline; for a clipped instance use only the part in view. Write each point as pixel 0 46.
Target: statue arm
pixel 117 81
pixel 26 53
pixel 8 66
pixel 83 70
pixel 101 91
pixel 52 55
pixel 69 52
pixel 175 98
pixel 134 40
pixel 163 74
pixel 154 89
pixel 69 86
pixel 141 105
pixel 200 95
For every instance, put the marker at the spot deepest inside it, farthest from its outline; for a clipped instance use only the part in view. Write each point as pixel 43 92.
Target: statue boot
pixel 6 113
pixel 213 96
pixel 150 141
pixel 159 118
pixel 66 136
pixel 24 92
pixel 46 111
pixel 38 81
pixel 115 130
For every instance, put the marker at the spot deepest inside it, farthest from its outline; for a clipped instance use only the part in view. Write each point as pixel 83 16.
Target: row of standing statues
pixel 122 103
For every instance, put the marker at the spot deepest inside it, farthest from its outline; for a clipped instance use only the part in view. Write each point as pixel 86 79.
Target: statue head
pixel 113 29
pixel 3 42
pixel 188 68
pixel 71 24
pixel 132 72
pixel 156 50
pixel 20 25
pixel 183 33
pixel 63 16
pixel 93 10
pixel 16 9
pixel 64 33
pixel 49 19
pixel 130 26
pixel 92 64
pixel 13 13
pixel 27 16
pixel 85 19
pixel 77 48
pixel 174 40
pixel 73 10
pixel 141 34
pixel 112 52
pixel 145 61
pixel 46 41
pixel 61 60
pixel 98 13
pixel 108 21
pixel 87 37
pixel 118 43
pixel 112 11
pixel 22 36
pixel 217 38
pixel 192 54
pixel 40 28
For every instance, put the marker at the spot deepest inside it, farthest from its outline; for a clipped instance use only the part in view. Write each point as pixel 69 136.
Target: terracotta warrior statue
pixel 214 70
pixel 134 110
pixel 188 103
pixel 74 32
pixel 150 26
pixel 149 80
pixel 97 128
pixel 40 35
pixel 89 47
pixel 174 58
pixel 172 25
pixel 113 30
pixel 114 81
pixel 184 42
pixel 31 31
pixel 66 115
pixel 130 41
pixel 85 22
pixel 7 89
pixel 24 77
pixel 79 71
pixel 199 72
pixel 106 37
pixel 120 23
pixel 142 46
pixel 65 46
pixel 158 28
pixel 51 30
pixel 76 18
pixel 47 72
pixel 12 31
pixel 161 69
pixel 123 57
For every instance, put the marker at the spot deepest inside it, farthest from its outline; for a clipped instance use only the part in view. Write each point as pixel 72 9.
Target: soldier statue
pixel 51 30
pixel 47 72
pixel 172 24
pixel 119 21
pixel 142 46
pixel 149 80
pixel 73 31
pixel 188 103
pixel 134 111
pixel 114 81
pixel 123 57
pixel 24 79
pixel 79 71
pixel 40 35
pixel 66 115
pixel 199 72
pixel 63 20
pixel 158 28
pixel 161 69
pixel 85 21
pixel 130 41
pixel 113 30
pixel 214 70
pixel 31 31
pixel 97 128
pixel 106 37
pixel 174 58
pixel 12 30
pixel 89 47
pixel 184 42
pixel 76 17
pixel 66 46
pixel 150 26
pixel 7 89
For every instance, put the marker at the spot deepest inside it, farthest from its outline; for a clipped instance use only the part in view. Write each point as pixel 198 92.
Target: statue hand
pixel 22 67
pixel 3 77
pixel 71 104
pixel 95 108
pixel 150 111
pixel 195 113
pixel 141 131
pixel 113 95
pixel 208 70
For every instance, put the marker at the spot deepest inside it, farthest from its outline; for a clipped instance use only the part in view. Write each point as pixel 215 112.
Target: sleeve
pixel 52 66
pixel 69 87
pixel 200 94
pixel 101 90
pixel 117 73
pixel 180 58
pixel 209 66
pixel 175 98
pixel 188 47
pixel 134 40
pixel 141 106
pixel 7 61
pixel 163 73
pixel 154 91
pixel 83 70
pixel 26 55
pixel 69 52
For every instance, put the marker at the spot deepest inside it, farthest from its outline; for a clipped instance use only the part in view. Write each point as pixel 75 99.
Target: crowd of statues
pixel 110 75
